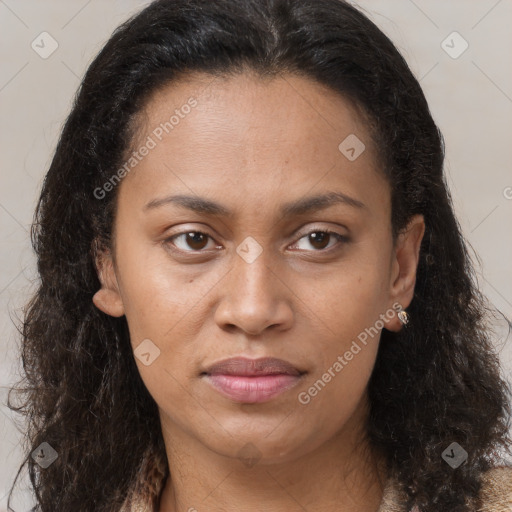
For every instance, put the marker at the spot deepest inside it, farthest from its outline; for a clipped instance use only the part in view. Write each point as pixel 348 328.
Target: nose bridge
pixel 252 272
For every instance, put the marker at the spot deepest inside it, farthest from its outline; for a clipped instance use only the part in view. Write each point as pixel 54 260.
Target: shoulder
pixel 496 490
pixel 146 488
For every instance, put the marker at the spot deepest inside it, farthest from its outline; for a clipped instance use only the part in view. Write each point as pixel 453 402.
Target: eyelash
pixel 341 240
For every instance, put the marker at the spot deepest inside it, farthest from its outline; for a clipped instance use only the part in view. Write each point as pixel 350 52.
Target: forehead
pixel 247 101
pixel 246 134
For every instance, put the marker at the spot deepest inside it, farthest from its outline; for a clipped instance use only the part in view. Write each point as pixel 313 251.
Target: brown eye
pixel 319 239
pixel 190 241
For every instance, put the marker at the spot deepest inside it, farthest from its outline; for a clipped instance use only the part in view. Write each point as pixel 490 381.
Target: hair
pixel 436 382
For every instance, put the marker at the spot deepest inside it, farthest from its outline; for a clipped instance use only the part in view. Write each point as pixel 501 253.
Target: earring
pixel 403 316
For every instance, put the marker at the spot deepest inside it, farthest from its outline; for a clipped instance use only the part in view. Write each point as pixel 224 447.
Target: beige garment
pixel 496 492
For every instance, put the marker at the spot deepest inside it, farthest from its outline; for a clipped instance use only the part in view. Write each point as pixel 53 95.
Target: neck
pixel 341 474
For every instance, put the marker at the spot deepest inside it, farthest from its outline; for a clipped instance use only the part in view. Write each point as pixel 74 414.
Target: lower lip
pixel 252 390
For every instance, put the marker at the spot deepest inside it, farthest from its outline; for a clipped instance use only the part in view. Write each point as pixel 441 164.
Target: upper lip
pixel 252 367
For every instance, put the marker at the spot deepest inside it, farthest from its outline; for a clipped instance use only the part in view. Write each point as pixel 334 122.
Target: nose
pixel 254 298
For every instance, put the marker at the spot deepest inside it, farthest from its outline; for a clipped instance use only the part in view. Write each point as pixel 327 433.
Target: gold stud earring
pixel 403 316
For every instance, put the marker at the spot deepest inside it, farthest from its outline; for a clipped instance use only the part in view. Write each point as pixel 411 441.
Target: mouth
pixel 246 380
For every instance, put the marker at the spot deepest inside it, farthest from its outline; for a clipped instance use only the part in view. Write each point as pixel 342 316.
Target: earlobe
pixel 107 298
pixel 109 302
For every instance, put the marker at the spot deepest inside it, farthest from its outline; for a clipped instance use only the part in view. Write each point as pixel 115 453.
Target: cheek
pixel 165 304
pixel 348 310
pixel 347 346
pixel 158 293
pixel 353 298
pixel 345 350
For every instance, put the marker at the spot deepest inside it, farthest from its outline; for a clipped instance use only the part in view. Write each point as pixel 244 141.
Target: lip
pixel 246 367
pixel 252 380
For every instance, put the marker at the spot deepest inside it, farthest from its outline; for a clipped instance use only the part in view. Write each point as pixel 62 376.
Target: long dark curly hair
pixel 434 383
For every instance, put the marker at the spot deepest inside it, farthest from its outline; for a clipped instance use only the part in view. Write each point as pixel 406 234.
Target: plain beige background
pixel 469 92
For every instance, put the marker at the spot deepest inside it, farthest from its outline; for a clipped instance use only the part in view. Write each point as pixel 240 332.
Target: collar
pixel 495 493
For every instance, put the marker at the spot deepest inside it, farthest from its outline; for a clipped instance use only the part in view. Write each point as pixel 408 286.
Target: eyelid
pixel 314 229
pixel 323 229
pixel 342 239
pixel 168 241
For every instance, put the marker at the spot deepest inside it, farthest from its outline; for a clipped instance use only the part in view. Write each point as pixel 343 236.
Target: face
pixel 279 246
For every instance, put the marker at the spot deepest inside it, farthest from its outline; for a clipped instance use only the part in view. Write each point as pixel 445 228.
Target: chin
pixel 257 447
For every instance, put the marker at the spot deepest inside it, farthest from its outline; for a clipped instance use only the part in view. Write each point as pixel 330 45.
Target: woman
pixel 254 292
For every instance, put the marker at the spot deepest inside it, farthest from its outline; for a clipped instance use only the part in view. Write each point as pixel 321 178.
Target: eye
pixel 195 240
pixel 319 239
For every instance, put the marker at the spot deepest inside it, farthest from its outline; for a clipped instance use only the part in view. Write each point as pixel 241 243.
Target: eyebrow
pixel 300 207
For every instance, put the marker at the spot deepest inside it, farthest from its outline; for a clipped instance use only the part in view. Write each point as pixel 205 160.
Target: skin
pixel 253 145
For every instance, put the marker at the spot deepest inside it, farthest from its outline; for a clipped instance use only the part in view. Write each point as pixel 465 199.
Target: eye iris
pixel 192 238
pixel 196 240
pixel 319 236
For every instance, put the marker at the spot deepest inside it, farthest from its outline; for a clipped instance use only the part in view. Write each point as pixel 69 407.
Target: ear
pixel 107 298
pixel 404 266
